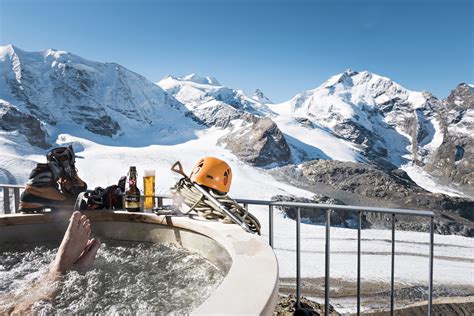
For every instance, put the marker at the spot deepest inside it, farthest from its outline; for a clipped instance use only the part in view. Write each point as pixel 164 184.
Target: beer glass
pixel 149 189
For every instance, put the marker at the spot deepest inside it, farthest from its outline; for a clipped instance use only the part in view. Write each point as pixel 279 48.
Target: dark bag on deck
pixel 110 198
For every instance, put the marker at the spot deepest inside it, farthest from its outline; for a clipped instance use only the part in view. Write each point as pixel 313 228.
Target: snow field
pixel 317 142
pixel 453 264
pixel 427 182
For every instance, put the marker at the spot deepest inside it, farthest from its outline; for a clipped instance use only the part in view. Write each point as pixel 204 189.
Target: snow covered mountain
pixel 250 133
pixel 208 99
pixel 60 92
pixel 391 125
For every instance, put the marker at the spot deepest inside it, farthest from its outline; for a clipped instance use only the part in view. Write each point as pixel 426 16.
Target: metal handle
pixel 178 168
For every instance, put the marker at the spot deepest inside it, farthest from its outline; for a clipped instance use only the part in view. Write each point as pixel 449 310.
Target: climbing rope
pixel 185 192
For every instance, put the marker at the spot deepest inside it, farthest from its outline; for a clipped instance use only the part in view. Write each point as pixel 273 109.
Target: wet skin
pixel 76 249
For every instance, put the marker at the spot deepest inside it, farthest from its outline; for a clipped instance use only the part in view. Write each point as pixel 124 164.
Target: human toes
pixel 83 232
pixel 86 223
pixel 94 246
pixel 87 227
pixel 82 220
pixel 74 220
pixel 86 230
pixel 89 245
pixel 90 251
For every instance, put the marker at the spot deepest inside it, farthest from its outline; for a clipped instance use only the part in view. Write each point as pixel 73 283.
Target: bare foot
pixel 76 250
pixel 74 244
pixel 87 257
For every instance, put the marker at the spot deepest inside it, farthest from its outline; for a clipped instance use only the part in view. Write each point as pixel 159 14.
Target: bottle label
pixel 132 201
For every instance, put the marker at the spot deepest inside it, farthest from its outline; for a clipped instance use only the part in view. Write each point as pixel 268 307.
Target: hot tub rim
pixel 254 263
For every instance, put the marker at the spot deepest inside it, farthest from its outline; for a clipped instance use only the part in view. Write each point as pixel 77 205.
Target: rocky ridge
pixel 260 143
pixel 376 186
pixel 310 216
pixel 453 160
pixel 12 120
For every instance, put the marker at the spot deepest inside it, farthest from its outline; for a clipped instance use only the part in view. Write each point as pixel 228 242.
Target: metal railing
pixel 6 197
pixel 359 209
pixel 328 208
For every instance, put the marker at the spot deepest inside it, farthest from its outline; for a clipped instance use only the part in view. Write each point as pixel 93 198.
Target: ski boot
pixel 62 162
pixel 42 191
pixel 53 185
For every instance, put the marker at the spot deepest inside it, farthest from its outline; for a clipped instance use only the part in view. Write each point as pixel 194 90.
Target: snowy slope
pixel 315 141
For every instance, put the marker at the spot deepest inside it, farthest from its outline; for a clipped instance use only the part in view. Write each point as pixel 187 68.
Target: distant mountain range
pixel 353 116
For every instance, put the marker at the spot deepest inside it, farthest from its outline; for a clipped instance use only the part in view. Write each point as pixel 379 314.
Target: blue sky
pixel 281 47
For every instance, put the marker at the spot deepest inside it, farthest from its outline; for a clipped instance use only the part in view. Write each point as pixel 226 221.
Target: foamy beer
pixel 149 189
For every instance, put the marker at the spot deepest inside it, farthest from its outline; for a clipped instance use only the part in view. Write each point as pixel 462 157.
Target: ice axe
pixel 178 168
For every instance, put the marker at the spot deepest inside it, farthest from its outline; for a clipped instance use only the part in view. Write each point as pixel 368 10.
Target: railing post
pixel 326 274
pixel 298 258
pixel 6 200
pixel 142 203
pixel 270 225
pixel 159 201
pixel 430 286
pixel 392 278
pixel 16 194
pixel 359 227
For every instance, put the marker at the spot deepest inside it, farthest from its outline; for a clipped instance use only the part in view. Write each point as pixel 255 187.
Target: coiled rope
pixel 185 192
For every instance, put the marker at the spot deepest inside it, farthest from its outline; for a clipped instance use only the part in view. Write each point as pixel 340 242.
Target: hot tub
pixel 250 285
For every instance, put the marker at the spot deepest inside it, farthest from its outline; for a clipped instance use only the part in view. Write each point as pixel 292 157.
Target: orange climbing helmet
pixel 213 173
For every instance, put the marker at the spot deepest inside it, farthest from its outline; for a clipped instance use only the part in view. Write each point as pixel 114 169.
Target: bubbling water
pixel 127 278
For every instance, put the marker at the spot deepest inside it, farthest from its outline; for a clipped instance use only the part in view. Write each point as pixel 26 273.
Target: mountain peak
pixel 344 78
pixel 260 97
pixel 54 53
pixel 8 49
pixel 468 86
pixel 349 72
pixel 201 80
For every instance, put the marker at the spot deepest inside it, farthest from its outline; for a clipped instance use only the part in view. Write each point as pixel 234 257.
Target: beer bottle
pixel 132 195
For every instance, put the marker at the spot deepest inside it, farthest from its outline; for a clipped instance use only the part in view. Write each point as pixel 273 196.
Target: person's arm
pixel 45 289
